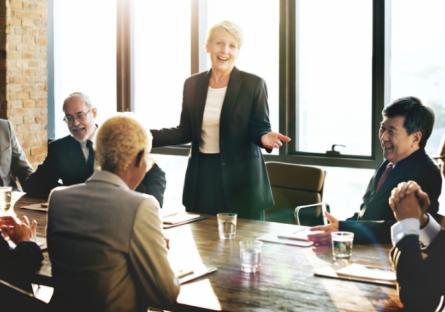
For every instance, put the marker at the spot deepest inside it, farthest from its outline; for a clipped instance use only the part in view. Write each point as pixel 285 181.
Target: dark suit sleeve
pixel 260 124
pixel 154 183
pixel 45 178
pixel 366 232
pixel 20 263
pixel 420 280
pixel 431 183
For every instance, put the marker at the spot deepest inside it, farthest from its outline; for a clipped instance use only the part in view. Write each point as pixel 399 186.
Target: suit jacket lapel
pixel 231 98
pixel 201 95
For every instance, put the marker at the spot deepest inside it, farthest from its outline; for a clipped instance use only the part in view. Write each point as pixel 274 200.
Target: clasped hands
pixel 407 200
pixel 18 230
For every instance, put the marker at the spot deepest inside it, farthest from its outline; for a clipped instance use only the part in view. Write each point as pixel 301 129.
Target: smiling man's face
pixel 79 118
pixel 395 141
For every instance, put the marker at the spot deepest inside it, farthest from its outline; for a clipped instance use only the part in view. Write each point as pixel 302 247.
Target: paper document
pixel 368 272
pixel 277 239
pixel 36 207
pixel 298 234
pixel 359 273
pixel 191 275
pixel 180 218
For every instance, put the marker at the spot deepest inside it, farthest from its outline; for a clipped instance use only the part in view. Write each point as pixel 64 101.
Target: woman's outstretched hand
pixel 273 140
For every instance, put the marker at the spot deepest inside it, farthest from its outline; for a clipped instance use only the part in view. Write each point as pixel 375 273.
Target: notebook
pixel 359 273
pixel 367 272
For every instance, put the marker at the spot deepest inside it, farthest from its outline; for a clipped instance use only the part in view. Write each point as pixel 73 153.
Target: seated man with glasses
pixel 70 160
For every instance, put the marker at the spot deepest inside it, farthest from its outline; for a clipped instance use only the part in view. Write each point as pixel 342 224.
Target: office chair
pixel 18 299
pixel 294 185
pixel 311 215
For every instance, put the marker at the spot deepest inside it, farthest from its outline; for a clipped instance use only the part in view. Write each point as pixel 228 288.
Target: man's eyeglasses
pixel 80 116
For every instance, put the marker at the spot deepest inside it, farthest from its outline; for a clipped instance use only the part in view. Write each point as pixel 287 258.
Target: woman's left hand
pixel 273 140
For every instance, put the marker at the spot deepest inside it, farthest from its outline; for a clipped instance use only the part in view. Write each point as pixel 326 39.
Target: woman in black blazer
pixel 225 116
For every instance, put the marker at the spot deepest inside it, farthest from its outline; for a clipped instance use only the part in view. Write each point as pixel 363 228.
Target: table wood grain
pixel 286 281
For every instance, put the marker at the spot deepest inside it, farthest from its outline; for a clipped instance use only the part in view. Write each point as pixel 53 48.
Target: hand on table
pixel 324 235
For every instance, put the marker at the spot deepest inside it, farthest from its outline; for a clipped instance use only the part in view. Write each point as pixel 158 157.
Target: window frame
pixel 287 78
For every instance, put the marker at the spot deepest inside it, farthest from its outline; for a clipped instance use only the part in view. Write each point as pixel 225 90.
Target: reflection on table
pixel 285 282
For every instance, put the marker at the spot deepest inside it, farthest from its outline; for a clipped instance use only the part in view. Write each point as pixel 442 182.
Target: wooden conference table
pixel 286 281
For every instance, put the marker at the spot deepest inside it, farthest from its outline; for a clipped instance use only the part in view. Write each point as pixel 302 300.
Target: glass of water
pixel 5 199
pixel 250 254
pixel 226 225
pixel 342 245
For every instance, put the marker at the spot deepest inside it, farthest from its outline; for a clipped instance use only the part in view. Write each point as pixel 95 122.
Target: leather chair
pixel 295 185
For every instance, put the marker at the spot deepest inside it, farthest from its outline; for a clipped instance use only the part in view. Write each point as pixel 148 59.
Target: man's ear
pixel 140 158
pixel 94 112
pixel 417 137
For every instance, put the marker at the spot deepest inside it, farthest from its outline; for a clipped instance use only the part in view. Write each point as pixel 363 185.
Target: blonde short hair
pixel 232 28
pixel 119 140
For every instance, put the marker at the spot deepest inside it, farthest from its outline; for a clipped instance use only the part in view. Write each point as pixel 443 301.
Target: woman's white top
pixel 210 122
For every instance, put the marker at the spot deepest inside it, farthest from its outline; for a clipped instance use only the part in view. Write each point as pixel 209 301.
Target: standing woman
pixel 225 116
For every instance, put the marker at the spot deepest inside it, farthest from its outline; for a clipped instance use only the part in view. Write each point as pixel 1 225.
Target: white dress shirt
pixel 210 122
pixel 411 226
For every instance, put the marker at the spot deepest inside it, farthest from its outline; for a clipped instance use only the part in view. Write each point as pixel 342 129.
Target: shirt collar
pixel 108 177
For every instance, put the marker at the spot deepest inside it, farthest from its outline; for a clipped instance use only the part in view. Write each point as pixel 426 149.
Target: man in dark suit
pixel 403 134
pixel 420 270
pixel 70 160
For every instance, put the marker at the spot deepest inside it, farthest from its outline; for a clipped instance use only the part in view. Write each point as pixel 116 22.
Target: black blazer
pixel 65 165
pixel 244 119
pixel 373 223
pixel 19 264
pixel 420 275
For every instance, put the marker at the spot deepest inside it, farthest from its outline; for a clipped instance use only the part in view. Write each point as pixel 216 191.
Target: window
pixel 84 55
pixel 334 76
pixel 162 58
pixel 259 22
pixel 417 57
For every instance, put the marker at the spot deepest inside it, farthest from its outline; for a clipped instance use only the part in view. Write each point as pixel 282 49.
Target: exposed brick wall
pixel 23 72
